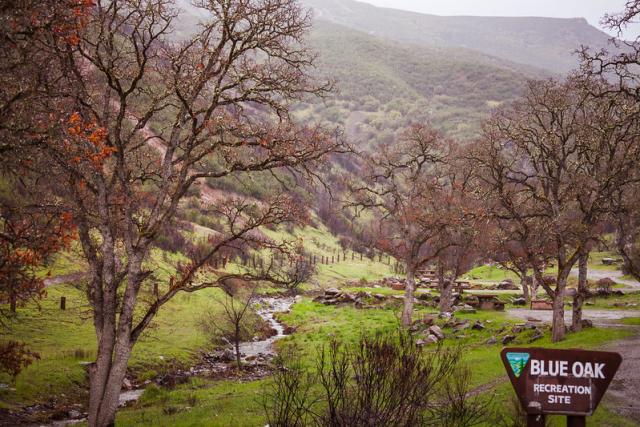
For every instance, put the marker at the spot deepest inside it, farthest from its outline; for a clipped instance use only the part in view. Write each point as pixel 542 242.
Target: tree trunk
pixel 525 282
pixel 578 299
pixel 446 302
pixel 409 289
pixel 558 326
pixel 534 288
pixel 12 301
pixel 106 376
pixel 237 345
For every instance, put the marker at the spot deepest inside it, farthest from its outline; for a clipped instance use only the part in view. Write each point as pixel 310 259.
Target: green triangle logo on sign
pixel 517 361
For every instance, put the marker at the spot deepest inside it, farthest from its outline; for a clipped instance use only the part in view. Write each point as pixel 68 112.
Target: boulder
pixel 461 327
pixel 428 320
pixel 492 341
pixel 507 339
pixel 436 331
pixel 431 339
pixel 446 315
pixel 519 301
pixel 536 335
pixel 477 325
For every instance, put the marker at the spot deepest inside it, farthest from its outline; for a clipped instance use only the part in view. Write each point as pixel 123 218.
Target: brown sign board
pixel 565 382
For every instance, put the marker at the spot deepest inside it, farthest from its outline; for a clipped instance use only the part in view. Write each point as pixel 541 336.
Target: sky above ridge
pixel 592 10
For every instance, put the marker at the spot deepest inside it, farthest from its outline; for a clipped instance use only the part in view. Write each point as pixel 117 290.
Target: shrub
pixel 382 380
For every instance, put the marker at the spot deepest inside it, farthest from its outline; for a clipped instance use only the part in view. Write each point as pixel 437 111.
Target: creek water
pixel 268 307
pixel 267 311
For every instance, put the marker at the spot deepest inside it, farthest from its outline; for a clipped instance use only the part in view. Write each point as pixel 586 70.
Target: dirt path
pixel 66 278
pixel 624 391
pixel 598 317
pixel 615 275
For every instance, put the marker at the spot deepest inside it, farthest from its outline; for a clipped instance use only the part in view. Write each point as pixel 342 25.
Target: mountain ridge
pixel 548 43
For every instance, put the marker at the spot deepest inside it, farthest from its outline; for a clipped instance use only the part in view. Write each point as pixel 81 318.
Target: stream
pixel 268 307
pixel 249 350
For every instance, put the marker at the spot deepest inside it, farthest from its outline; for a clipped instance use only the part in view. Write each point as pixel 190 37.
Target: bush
pixel 382 380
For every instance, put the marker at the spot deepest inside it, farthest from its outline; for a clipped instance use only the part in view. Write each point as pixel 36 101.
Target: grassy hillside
pixel 546 43
pixel 382 85
pixel 66 339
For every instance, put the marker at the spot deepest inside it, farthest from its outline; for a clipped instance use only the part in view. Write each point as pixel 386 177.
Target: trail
pixel 604 318
pixel 616 275
pixel 622 396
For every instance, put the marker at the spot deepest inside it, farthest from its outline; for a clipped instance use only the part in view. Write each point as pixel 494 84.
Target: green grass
pixel 234 403
pixel 631 321
pixel 64 339
pixel 199 403
pixel 610 301
pixel 490 273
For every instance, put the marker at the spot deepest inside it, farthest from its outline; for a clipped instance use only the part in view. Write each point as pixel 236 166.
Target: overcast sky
pixel 592 10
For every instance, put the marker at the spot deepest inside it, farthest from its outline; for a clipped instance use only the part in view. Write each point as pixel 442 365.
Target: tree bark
pixel 445 286
pixel 12 301
pixel 558 326
pixel 525 282
pixel 578 299
pixel 237 345
pixel 106 376
pixel 534 288
pixel 409 289
pixel 446 302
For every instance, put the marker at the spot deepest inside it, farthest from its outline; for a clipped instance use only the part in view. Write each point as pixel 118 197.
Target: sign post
pixel 561 382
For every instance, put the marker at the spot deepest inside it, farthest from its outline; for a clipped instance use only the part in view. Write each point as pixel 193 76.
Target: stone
pixel 507 339
pixel 435 330
pixel 586 323
pixel 461 327
pixel 332 291
pixel 126 384
pixel 532 319
pixel 445 315
pixel 492 340
pixel 397 286
pixel 74 415
pixel 288 330
pixel 536 336
pixel 428 320
pixel 477 325
pixel 424 296
pixel 517 329
pixel 431 339
pixel 519 301
pixel 420 343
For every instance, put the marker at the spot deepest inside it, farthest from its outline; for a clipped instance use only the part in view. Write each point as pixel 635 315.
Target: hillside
pixel 383 85
pixel 546 43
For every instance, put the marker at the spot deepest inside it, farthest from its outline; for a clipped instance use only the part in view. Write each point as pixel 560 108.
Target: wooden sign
pixel 566 382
